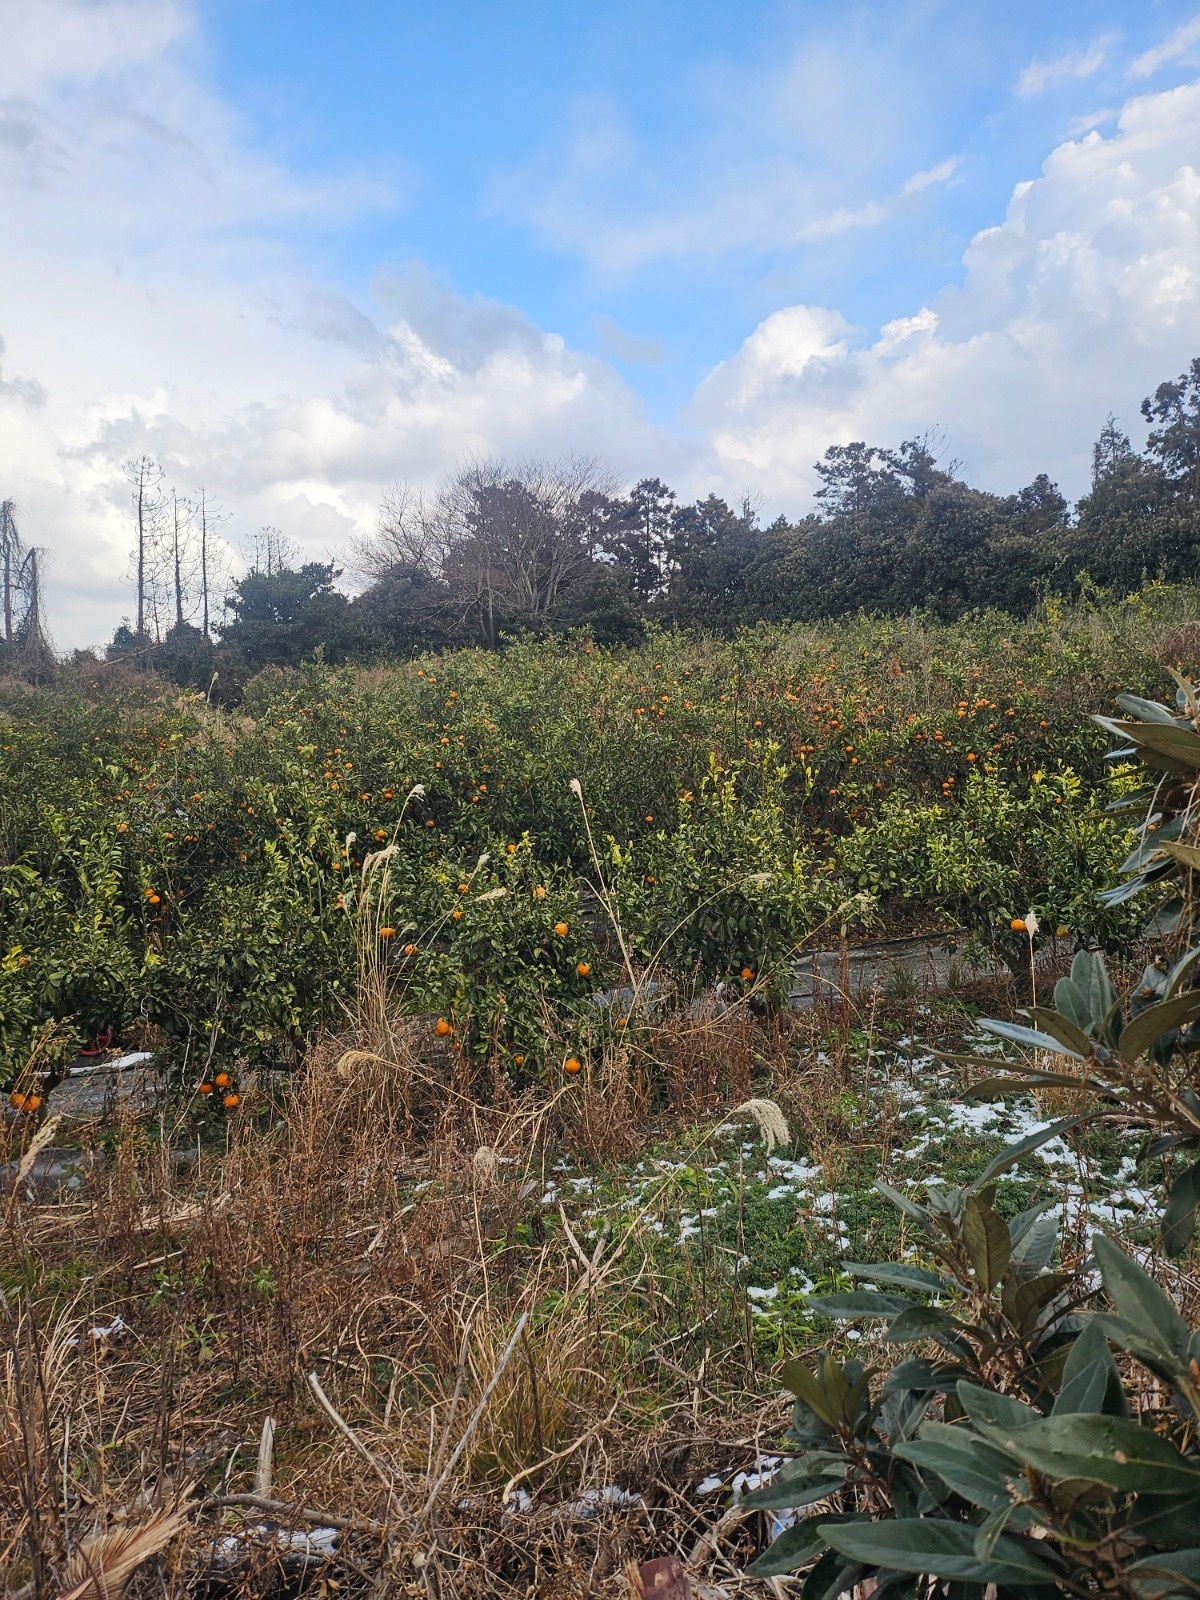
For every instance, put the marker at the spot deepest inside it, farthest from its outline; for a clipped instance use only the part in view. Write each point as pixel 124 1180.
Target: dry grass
pixel 366 1262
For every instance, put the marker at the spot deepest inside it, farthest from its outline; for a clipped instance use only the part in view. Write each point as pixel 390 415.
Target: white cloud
pixel 1182 45
pixel 149 303
pixel 1039 76
pixel 1081 300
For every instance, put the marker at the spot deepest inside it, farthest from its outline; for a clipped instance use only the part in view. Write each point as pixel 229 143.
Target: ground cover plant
pixel 368 1304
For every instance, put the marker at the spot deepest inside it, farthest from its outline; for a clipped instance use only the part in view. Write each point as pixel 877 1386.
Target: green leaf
pixel 805 1386
pixel 796 1546
pixel 1071 1037
pixel 1034 1078
pixel 1090 1380
pixel 1110 1450
pixel 1034 1235
pixel 1140 1302
pixel 965 1463
pixel 1034 1141
pixel 832 1576
pixel 919 1322
pixel 1154 1021
pixel 1173 749
pixel 1179 1219
pixel 1168 1573
pixel 793 1489
pixel 856 1303
pixel 1146 710
pixel 1187 854
pixel 940 1550
pixel 898 1272
pixel 985 1234
pixel 922 1377
pixel 901 1201
pixel 1029 1036
pixel 988 1408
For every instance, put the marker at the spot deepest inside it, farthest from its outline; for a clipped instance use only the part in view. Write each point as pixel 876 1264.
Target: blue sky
pixel 529 145
pixel 297 252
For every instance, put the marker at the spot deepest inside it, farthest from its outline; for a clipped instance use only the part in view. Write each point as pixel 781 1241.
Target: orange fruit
pixel 222 1080
pixel 230 1101
pixel 206 1088
pixel 748 974
pixel 561 929
pixel 32 1102
pixel 1017 925
pixel 539 893
pixel 443 1029
pixel 572 1064
pixel 16 1101
pixel 583 968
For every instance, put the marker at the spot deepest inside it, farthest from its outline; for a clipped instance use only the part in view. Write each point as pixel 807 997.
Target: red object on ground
pixel 660 1579
pixel 98 1045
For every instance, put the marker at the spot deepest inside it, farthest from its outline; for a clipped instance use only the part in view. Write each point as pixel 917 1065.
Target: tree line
pixel 504 549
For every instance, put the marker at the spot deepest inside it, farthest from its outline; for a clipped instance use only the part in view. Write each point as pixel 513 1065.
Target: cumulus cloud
pixel 1081 300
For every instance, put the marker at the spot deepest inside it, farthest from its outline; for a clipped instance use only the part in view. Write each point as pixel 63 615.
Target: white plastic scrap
pixel 117 1326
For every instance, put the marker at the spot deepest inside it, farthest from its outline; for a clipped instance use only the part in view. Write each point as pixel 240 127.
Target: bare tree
pixel 145 480
pixel 270 550
pixel 508 540
pixel 208 517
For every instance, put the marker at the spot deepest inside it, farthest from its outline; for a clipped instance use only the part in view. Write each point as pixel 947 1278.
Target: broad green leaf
pixel 1071 1037
pixel 1024 1299
pixel 1139 1300
pixel 1154 1021
pixel 1090 1380
pixel 991 1529
pixel 922 1377
pixel 901 1201
pixel 991 1409
pixel 856 1303
pixel 796 1546
pixel 832 1576
pixel 1174 749
pixel 898 1272
pixel 805 1386
pixel 789 1492
pixel 1175 1572
pixel 1028 1036
pixel 1146 710
pixel 964 1462
pixel 1071 1002
pixel 939 1549
pixel 919 1322
pixel 1034 1078
pixel 1034 1141
pixel 1110 1450
pixel 1179 1219
pixel 1187 854
pixel 1089 974
pixel 985 1234
pixel 1034 1234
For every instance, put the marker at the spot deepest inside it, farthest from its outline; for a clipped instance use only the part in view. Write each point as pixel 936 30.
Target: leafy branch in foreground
pixel 1011 1457
pixel 1137 1059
